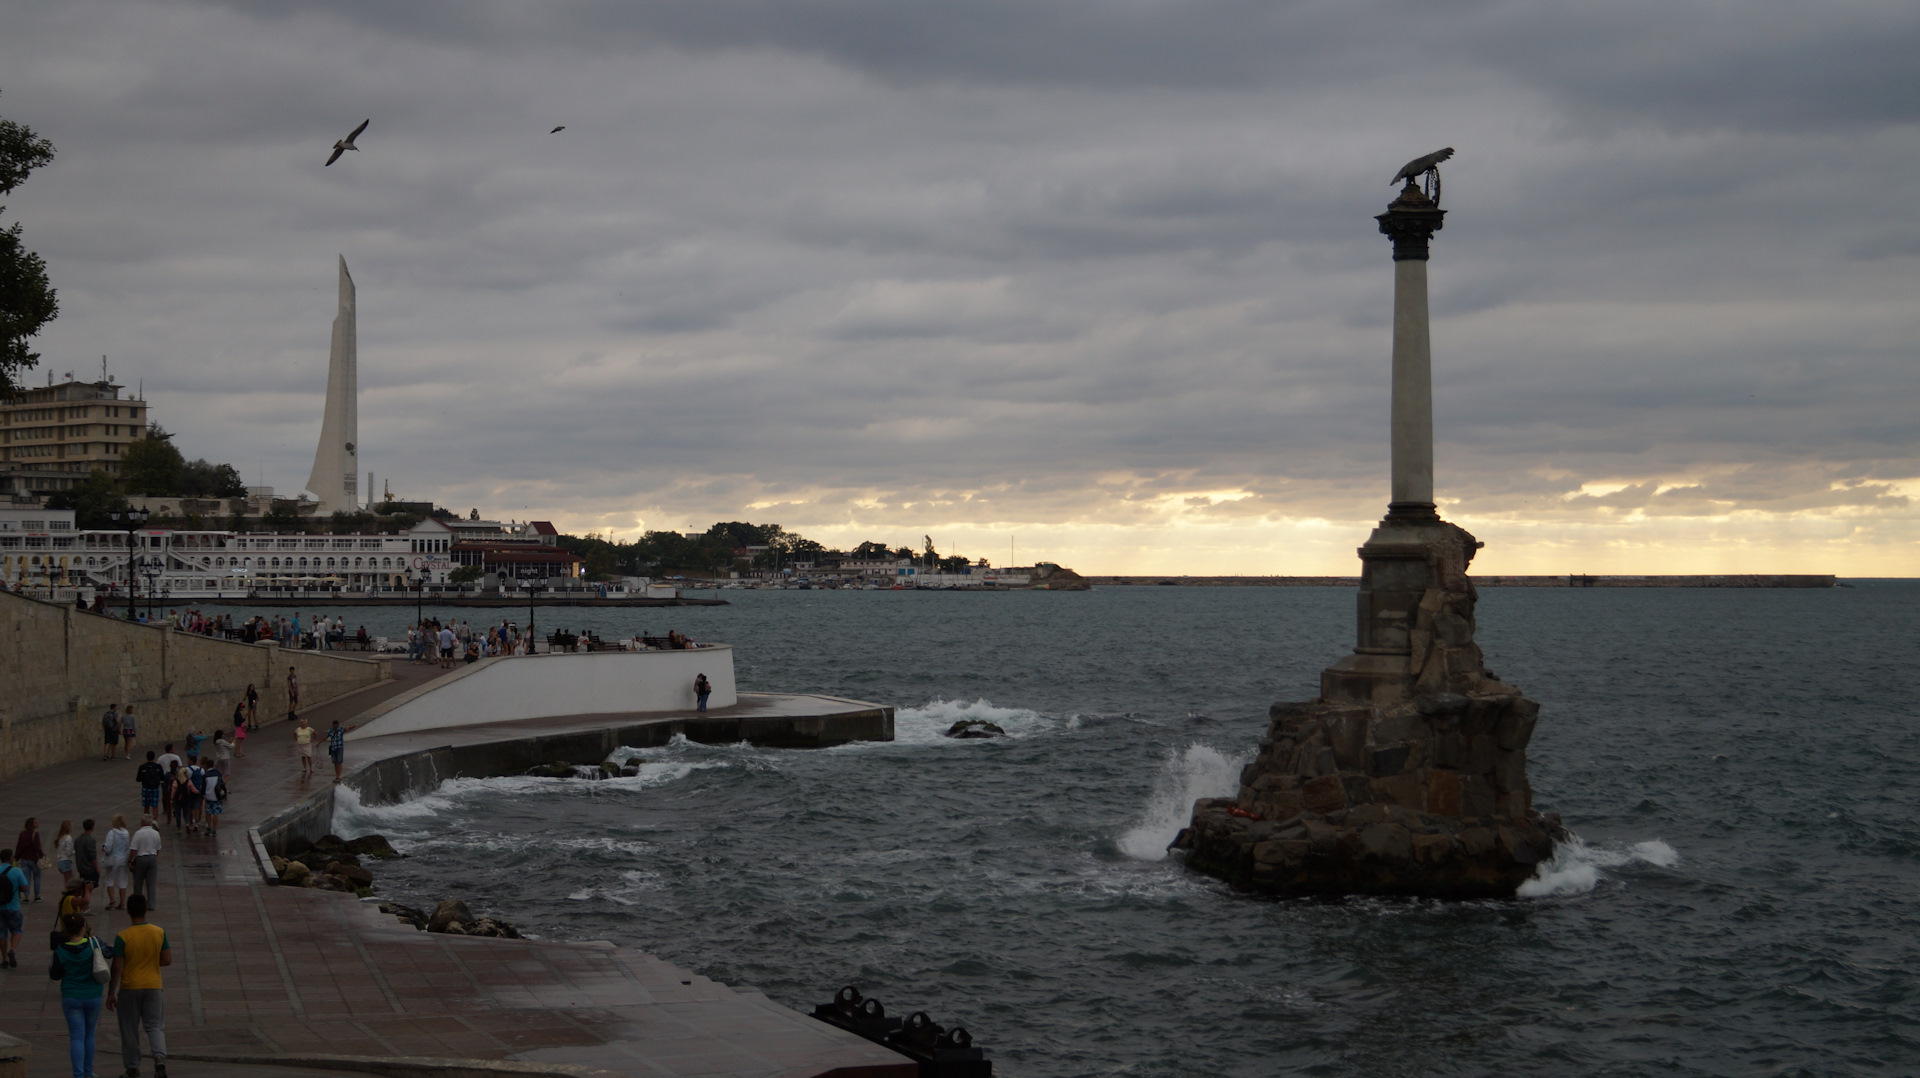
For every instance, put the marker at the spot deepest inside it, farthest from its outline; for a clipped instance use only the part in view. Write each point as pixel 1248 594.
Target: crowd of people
pixel 184 784
pixel 433 641
pixel 122 976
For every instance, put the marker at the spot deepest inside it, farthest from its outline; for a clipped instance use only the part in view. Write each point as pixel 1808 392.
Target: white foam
pixel 929 724
pixel 1575 868
pixel 1185 777
pixel 352 817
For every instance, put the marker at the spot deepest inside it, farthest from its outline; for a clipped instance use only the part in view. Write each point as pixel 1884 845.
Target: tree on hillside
pixel 151 465
pixel 91 500
pixel 27 300
pixel 200 479
pixel 871 549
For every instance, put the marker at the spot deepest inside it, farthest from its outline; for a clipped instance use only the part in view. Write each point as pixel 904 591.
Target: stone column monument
pixel 336 460
pixel 1407 774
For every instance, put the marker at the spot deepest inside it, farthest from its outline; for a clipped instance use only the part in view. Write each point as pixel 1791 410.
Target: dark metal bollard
pixel 941 1052
pixel 861 1017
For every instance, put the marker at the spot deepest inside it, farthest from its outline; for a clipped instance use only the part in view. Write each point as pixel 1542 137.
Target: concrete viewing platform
pixel 267 976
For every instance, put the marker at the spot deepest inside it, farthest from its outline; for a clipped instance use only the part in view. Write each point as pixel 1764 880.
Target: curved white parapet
pixel 511 687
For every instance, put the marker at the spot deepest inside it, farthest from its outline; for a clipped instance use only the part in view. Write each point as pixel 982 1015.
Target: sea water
pixel 1738 766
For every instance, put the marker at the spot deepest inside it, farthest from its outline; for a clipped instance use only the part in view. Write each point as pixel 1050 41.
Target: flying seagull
pixel 557 130
pixel 346 144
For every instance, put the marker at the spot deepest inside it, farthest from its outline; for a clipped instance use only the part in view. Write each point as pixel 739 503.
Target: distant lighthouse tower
pixel 335 481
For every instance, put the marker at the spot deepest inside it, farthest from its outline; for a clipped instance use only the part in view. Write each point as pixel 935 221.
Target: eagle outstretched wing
pixel 1419 166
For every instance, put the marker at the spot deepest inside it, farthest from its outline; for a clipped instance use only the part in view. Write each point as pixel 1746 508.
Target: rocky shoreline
pixel 333 864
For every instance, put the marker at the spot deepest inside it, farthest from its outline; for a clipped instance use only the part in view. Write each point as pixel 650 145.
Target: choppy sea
pixel 1739 767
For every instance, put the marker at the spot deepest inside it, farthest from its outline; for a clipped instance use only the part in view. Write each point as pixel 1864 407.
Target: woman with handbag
pixel 27 849
pixel 80 965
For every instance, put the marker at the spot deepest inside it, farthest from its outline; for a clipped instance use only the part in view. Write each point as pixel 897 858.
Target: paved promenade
pixel 267 975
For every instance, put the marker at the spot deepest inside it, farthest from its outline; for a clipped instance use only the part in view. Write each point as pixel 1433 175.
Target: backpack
pixel 198 777
pixel 7 889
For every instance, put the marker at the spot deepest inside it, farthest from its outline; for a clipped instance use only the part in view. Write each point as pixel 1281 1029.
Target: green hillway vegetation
pixel 729 546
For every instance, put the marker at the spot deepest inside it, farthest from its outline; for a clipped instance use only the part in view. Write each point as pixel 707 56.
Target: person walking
pixel 117 847
pixel 446 649
pixel 63 852
pixel 86 854
pixel 215 800
pixel 181 787
pixel 151 776
pixel 303 737
pixel 253 707
pixel 337 747
pixel 702 688
pixel 197 794
pixel 128 727
pixel 13 884
pixel 146 860
pixel 110 730
pixel 133 988
pixel 293 690
pixel 27 848
pixel 169 763
pixel 222 750
pixel 80 993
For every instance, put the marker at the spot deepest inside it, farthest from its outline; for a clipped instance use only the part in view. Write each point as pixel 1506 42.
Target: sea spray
pixel 1185 777
pixel 1575 866
pixel 919 725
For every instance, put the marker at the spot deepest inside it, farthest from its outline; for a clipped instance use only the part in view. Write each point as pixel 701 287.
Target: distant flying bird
pixel 557 130
pixel 346 144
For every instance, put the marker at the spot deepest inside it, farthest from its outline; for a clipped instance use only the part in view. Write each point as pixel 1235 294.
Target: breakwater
pixel 407 765
pixel 1684 580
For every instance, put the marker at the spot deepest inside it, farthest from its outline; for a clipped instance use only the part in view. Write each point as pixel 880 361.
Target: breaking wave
pixel 920 725
pixel 1185 777
pixel 1576 867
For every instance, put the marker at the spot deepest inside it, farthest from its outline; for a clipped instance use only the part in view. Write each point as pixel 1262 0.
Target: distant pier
pixel 1575 580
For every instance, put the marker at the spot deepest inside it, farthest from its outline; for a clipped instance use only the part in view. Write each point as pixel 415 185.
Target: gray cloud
pixel 1038 261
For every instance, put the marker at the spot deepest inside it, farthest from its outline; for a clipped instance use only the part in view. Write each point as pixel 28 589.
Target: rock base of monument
pixel 1428 797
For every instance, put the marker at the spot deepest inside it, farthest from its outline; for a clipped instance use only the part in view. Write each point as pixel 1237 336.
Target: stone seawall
pixel 419 771
pixel 61 667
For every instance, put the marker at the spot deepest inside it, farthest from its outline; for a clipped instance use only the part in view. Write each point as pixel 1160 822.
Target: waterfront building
pixel 213 563
pixel 52 436
pixel 514 551
pixel 34 543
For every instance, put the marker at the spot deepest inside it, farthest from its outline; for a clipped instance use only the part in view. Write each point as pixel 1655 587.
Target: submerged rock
pixel 416 917
pixel 975 728
pixel 553 771
pixel 373 846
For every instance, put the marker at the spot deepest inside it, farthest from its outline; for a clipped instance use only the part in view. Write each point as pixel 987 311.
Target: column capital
pixel 1410 221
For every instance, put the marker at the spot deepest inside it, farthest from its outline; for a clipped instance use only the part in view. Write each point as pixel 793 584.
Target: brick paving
pixel 263 973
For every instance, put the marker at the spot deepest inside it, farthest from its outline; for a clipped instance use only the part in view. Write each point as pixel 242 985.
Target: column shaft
pixel 1412 386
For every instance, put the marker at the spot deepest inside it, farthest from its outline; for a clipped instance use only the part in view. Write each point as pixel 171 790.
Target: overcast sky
pixel 1097 276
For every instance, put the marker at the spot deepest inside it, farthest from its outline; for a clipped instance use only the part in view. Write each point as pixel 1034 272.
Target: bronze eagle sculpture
pixel 1420 166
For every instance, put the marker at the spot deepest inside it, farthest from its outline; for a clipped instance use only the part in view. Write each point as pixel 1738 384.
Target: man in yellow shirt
pixel 133 988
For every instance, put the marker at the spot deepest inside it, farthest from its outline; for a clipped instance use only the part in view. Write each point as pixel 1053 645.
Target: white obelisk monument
pixel 336 463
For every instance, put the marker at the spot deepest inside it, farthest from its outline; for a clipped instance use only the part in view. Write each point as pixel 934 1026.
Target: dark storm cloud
pixel 1037 261
pixel 1763 65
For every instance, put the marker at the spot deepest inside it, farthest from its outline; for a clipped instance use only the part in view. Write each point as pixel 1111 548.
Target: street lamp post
pixel 134 518
pixel 419 582
pixel 151 568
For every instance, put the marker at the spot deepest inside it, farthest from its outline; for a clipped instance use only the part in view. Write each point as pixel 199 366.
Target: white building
pixel 222 564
